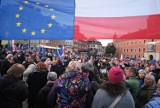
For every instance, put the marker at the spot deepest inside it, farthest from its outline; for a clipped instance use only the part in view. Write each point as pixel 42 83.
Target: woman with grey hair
pixel 13 90
pixel 146 91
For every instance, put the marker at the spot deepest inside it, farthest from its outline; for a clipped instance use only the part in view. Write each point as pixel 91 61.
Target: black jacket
pixel 5 66
pixel 41 100
pixel 59 69
pixel 36 81
pixel 12 92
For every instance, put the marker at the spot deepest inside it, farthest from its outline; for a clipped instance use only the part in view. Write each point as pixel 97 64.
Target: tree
pixel 110 49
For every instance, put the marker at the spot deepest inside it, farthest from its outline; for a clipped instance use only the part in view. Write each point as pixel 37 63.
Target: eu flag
pixel 37 19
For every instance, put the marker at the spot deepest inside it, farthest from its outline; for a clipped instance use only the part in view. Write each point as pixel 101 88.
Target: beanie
pixel 115 75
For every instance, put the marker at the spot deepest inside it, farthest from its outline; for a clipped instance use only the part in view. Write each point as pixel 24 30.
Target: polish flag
pixel 117 19
pixel 14 46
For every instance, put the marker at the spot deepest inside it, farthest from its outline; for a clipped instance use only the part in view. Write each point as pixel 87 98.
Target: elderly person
pixel 13 90
pixel 146 91
pixel 71 89
pixel 36 81
pixel 41 100
pixel 154 102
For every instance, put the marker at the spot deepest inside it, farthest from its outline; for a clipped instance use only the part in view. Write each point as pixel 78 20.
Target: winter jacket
pixel 153 103
pixel 12 92
pixel 5 66
pixel 59 69
pixel 36 81
pixel 103 99
pixel 71 90
pixel 30 69
pixel 133 85
pixel 145 95
pixel 41 99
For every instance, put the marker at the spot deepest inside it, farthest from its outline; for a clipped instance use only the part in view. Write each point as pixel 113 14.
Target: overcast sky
pixel 105 41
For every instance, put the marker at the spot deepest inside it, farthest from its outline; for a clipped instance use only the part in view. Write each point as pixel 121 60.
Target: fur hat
pixel 115 75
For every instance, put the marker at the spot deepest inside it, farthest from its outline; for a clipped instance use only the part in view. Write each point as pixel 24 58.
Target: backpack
pixel 153 103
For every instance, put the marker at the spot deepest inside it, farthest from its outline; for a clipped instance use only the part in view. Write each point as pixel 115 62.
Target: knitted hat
pixel 52 76
pixel 115 75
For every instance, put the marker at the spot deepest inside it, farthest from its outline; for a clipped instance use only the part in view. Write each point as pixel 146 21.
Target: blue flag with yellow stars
pixel 37 19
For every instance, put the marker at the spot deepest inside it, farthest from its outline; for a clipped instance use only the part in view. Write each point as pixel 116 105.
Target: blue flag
pixel 38 49
pixel 37 19
pixel 9 46
pixel 43 51
pixel 61 50
pixel 25 46
pixel 134 58
pixel 56 52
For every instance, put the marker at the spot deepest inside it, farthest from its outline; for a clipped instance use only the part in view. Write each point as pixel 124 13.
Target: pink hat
pixel 115 75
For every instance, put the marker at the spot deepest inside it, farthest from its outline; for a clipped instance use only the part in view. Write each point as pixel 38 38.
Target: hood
pixel 113 89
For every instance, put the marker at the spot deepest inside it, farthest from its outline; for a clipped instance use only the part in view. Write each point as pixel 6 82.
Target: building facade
pixel 138 48
pixel 92 45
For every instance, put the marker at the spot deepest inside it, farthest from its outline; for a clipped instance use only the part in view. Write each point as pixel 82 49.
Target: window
pixel 144 41
pixel 127 50
pixel 124 50
pixel 134 49
pixel 152 40
pixel 131 50
pixel 144 49
pixel 139 49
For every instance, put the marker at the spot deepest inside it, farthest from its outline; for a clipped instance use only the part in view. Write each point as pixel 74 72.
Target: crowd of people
pixel 31 80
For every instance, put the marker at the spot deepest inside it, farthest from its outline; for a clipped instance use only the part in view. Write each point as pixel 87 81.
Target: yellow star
pixel 46 6
pixel 33 33
pixel 18 24
pixel 24 30
pixel 25 2
pixel 43 30
pixel 17 15
pixel 53 17
pixel 51 9
pixel 37 3
pixel 50 25
pixel 20 8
